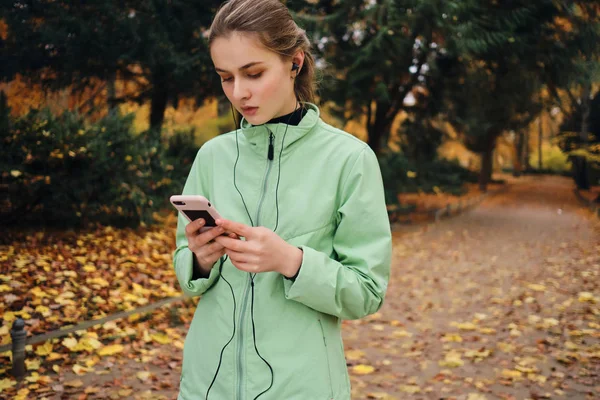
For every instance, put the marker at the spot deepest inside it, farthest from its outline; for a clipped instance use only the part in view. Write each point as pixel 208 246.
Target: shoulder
pixel 216 144
pixel 345 144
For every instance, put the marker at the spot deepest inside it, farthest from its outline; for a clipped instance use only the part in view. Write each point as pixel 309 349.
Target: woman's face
pixel 256 81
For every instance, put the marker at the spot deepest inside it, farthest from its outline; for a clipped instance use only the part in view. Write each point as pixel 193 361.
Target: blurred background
pixel 104 104
pixel 445 92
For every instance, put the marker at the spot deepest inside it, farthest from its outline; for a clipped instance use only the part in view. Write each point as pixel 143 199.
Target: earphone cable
pixel 223 259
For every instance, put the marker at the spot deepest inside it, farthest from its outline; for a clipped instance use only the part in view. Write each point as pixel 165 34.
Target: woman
pixel 308 201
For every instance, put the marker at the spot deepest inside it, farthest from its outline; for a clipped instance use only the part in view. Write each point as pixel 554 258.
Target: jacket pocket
pixel 327 358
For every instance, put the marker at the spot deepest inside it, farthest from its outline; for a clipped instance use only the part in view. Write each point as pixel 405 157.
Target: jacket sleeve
pixel 353 284
pixel 183 258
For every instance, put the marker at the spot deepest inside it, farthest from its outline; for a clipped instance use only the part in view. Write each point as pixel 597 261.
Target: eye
pixel 255 76
pixel 226 79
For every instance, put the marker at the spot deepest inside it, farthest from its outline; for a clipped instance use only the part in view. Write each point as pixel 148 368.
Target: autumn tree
pixel 156 45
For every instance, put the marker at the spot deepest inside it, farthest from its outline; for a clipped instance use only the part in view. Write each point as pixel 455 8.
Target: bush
pixel 401 175
pixel 59 171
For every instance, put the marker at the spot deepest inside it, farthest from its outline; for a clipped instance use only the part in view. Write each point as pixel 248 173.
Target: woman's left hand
pixel 262 251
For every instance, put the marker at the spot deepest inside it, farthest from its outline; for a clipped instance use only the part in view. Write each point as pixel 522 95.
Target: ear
pixel 298 58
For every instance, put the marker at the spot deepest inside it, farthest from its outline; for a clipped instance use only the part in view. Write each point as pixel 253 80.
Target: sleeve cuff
pixel 184 269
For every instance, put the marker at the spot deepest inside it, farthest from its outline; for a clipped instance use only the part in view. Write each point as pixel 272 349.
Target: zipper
pixel 270 156
pixel 327 358
pixel 266 178
pixel 241 338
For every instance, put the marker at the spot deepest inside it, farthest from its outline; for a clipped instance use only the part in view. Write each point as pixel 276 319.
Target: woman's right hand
pixel 202 244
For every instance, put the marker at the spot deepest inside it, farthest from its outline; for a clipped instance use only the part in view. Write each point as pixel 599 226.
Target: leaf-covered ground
pixel 500 303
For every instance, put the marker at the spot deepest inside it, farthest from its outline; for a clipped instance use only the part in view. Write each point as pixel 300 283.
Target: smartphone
pixel 196 206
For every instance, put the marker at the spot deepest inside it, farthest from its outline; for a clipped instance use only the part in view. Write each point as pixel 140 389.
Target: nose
pixel 240 90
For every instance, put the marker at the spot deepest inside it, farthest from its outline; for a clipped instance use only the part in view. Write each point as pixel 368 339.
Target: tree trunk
pixel 518 160
pixel 526 151
pixel 378 128
pixel 487 162
pixel 160 96
pixel 540 140
pixel 111 92
pixel 585 113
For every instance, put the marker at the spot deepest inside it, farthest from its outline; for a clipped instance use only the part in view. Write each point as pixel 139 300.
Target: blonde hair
pixel 272 22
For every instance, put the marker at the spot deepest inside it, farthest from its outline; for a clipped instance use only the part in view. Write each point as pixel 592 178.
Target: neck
pixel 290 107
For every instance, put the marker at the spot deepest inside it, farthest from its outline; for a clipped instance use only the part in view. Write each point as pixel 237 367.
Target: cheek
pixel 270 87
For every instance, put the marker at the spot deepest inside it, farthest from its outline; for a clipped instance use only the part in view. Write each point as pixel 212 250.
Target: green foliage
pixel 401 175
pixel 158 47
pixel 57 170
pixel 553 159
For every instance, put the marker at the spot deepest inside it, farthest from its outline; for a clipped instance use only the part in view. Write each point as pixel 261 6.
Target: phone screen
pixel 195 214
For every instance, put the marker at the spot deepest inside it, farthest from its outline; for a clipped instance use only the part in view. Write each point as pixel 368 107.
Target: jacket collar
pixel 258 135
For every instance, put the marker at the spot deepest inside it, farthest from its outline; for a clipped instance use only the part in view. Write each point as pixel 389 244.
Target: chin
pixel 256 119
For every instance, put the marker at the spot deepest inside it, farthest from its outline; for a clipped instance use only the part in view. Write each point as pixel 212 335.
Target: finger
pixel 193 227
pixel 246 267
pixel 235 227
pixel 216 255
pixel 234 244
pixel 240 257
pixel 211 248
pixel 210 234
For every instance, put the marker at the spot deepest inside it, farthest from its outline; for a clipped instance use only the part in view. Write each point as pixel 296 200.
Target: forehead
pixel 238 49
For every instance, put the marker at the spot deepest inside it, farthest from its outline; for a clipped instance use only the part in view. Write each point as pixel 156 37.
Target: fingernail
pixel 201 221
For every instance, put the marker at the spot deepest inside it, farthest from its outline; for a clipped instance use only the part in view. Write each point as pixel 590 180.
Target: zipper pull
pixel 271 149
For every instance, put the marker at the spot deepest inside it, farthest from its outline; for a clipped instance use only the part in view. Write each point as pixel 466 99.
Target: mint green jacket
pixel 331 205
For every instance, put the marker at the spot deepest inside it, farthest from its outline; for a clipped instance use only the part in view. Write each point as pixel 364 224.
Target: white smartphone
pixel 196 206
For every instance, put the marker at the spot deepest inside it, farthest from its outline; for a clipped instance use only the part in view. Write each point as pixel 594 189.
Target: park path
pixel 486 305
pixel 501 302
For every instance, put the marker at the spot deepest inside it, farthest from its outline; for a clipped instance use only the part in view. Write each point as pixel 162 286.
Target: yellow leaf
pixel 452 337
pixel 161 338
pixel 6 384
pixel 411 174
pixel 452 360
pixel 89 268
pixel 5 288
pixel 33 378
pixel 74 383
pixel 54 356
pixel 409 389
pixel 80 370
pixel 476 396
pixel 22 394
pixel 355 355
pixel 399 333
pixel 56 369
pixel 9 316
pixel 32 364
pixel 477 354
pixel 44 349
pixel 571 346
pixel 70 343
pixel 464 326
pixel 586 297
pixel 143 375
pixel 110 350
pixel 363 369
pixel 98 300
pixel 45 311
pixel 507 373
pixel 15 173
pixel 487 331
pixel 536 287
pixel 125 392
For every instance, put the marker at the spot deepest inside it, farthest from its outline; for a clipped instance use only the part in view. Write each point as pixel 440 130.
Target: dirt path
pixel 501 302
pixel 510 273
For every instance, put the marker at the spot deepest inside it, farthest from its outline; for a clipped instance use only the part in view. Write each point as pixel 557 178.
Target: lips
pixel 249 110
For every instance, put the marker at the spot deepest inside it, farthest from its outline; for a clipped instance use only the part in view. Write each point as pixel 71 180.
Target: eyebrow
pixel 253 63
